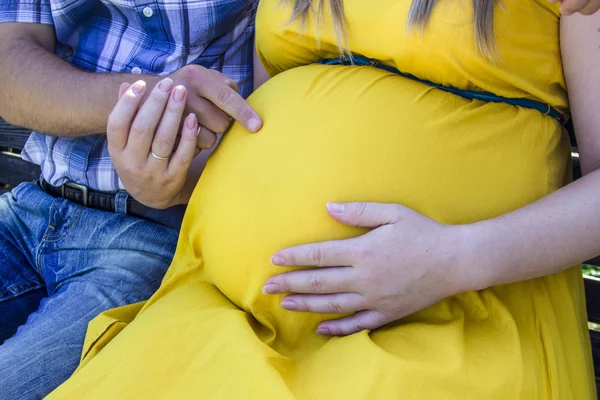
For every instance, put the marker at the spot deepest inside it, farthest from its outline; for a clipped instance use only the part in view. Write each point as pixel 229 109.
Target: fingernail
pixel 289 305
pixel 191 121
pixel 277 260
pixel 322 330
pixel 166 85
pixel 337 208
pixel 179 94
pixel 139 87
pixel 270 288
pixel 254 124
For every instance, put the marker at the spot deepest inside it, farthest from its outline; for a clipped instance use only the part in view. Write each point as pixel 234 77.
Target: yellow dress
pixel 341 133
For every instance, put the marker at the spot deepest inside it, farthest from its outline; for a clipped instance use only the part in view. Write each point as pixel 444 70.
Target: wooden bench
pixel 13 171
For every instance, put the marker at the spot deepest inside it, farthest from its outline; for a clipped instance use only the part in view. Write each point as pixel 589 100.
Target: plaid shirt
pixel 154 37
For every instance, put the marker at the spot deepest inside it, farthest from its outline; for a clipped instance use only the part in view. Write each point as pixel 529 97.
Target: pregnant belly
pixel 356 134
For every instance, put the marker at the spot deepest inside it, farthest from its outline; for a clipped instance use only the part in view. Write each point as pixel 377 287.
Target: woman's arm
pixel 409 262
pixel 563 228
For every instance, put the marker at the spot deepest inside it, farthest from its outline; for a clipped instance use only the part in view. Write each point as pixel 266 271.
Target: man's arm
pixel 44 93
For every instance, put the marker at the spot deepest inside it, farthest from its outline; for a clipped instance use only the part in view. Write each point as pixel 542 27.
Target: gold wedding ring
pixel 159 157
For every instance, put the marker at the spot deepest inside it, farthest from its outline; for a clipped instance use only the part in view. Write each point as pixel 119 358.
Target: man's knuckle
pixel 190 73
pixel 209 142
pixel 222 125
pixel 224 96
pixel 204 143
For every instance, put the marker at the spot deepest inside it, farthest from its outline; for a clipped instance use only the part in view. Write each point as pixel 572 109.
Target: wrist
pixel 465 246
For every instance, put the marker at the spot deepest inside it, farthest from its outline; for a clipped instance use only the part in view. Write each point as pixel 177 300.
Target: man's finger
pixel 315 281
pixel 232 84
pixel 363 320
pixel 339 303
pixel 230 101
pixel 121 117
pixel 206 138
pixel 334 253
pixel 185 153
pixel 209 115
pixel 366 215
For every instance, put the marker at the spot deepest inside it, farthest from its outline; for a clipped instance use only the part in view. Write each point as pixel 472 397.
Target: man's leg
pixel 21 230
pixel 91 261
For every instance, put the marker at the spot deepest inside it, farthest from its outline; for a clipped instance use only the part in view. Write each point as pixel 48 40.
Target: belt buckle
pixel 76 186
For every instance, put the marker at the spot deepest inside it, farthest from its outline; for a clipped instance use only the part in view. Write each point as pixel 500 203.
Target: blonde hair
pixel 418 17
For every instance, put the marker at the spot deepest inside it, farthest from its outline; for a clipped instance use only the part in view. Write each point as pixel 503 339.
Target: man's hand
pixel 70 102
pixel 141 140
pixel 585 7
pixel 214 99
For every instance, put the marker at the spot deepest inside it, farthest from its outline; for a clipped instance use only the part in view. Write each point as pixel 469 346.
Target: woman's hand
pixel 585 7
pixel 407 263
pixel 142 139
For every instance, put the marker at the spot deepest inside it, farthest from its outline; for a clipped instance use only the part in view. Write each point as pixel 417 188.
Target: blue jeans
pixel 61 265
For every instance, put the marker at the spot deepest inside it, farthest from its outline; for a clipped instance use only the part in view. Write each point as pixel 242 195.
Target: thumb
pixel 366 215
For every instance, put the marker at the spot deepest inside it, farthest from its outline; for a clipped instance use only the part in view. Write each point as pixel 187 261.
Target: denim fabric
pixel 60 265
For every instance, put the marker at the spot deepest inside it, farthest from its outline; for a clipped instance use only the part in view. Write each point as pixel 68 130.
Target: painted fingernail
pixel 139 87
pixel 323 330
pixel 289 305
pixel 179 94
pixel 277 260
pixel 191 121
pixel 254 124
pixel 270 288
pixel 336 207
pixel 166 85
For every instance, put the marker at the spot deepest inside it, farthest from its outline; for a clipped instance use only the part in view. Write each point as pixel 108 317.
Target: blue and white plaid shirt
pixel 154 37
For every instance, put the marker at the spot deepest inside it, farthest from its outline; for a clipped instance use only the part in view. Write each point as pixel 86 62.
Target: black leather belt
pixel 86 197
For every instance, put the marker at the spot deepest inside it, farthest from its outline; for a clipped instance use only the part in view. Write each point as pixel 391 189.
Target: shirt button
pixel 136 70
pixel 148 12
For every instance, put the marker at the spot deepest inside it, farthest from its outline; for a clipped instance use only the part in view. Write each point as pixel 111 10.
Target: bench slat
pixel 12 136
pixel 592 295
pixel 14 170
